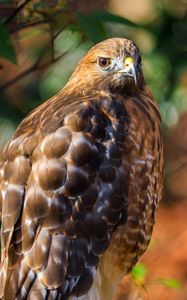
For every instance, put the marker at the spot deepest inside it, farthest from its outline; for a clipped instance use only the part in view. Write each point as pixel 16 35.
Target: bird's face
pixel 118 69
pixel 114 64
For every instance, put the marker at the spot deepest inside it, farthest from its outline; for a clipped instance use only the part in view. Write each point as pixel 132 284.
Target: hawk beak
pixel 129 68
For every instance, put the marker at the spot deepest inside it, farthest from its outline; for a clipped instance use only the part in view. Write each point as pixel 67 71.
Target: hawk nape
pixel 80 182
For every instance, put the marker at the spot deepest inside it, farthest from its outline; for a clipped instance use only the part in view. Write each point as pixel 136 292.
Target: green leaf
pixel 7 49
pixel 107 16
pixel 169 282
pixel 139 272
pixel 93 24
pixel 93 28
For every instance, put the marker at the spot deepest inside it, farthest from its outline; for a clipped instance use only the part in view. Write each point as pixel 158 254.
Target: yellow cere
pixel 128 61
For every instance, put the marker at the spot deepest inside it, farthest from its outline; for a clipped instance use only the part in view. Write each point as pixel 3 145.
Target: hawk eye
pixel 104 62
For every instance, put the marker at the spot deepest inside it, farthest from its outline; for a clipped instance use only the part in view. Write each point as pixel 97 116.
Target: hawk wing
pixel 63 194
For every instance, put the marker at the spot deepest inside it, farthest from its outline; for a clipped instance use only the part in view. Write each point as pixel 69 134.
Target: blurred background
pixel 40 45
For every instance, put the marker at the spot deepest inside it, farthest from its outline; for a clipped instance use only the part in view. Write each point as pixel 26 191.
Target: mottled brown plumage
pixel 80 182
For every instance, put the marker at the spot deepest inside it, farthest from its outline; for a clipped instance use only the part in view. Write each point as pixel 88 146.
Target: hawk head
pixel 112 65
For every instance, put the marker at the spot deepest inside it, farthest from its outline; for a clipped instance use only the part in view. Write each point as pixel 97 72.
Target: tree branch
pixel 36 65
pixel 46 20
pixel 16 11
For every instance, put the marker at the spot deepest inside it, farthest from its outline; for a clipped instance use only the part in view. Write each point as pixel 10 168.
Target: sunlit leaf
pixel 139 272
pixel 169 282
pixel 7 49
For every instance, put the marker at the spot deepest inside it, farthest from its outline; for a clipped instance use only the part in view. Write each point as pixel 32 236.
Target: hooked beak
pixel 129 68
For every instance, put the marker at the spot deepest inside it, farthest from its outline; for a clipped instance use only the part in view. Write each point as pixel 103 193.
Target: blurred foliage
pixel 6 48
pixel 140 273
pixel 50 37
pixel 169 282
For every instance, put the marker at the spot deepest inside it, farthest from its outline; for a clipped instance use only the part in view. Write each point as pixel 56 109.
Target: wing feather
pixel 65 198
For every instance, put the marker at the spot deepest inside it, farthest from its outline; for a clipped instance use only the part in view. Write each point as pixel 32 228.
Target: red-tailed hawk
pixel 80 182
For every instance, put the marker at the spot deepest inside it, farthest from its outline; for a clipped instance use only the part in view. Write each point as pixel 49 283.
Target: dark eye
pixel 104 62
pixel 139 59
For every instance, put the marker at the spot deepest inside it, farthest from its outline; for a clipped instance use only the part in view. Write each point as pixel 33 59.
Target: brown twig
pixel 27 25
pixel 36 65
pixel 46 20
pixel 28 71
pixel 16 11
